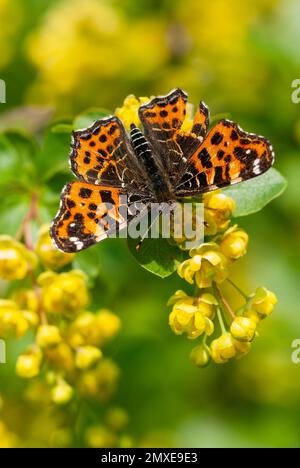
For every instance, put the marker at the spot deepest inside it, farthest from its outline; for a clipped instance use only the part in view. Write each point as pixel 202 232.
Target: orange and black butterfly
pixel 159 164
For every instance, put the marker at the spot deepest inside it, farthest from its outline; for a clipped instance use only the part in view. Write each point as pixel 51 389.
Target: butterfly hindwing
pixel 228 155
pixel 89 214
pixel 101 154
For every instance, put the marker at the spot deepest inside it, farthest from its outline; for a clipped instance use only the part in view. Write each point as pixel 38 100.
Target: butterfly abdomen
pixel 144 153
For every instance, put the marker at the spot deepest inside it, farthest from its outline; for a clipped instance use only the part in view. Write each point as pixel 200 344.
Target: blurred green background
pixel 59 57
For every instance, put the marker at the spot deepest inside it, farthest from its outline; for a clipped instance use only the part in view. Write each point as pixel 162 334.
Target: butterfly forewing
pixel 101 154
pixel 228 155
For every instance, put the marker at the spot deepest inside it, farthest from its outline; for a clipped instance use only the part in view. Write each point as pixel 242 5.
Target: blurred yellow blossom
pixel 91 45
pixel 64 292
pixel 15 259
pixel 28 363
pixel 49 253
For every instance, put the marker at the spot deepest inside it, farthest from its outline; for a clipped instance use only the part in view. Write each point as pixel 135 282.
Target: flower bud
pixel 234 243
pixel 223 348
pixel 47 336
pixel 15 259
pixel 242 348
pixel 263 302
pixel 48 252
pixel 87 357
pixel 218 209
pixel 243 329
pixel 28 364
pixel 253 315
pixel 200 355
pixel 62 393
pixel 218 201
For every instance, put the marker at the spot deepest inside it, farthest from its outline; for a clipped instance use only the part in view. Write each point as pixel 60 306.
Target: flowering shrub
pixel 50 299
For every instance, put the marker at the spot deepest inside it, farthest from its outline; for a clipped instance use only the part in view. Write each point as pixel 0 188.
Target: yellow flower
pixel 15 259
pixel 13 320
pixel 218 209
pixel 180 297
pixel 27 299
pixel 87 357
pixel 200 355
pixel 93 329
pixel 117 419
pixel 207 264
pixel 234 243
pixel 128 113
pixel 49 253
pixel 64 292
pixel 242 348
pixel 253 315
pixel 186 318
pixel 47 336
pixel 223 348
pixel 186 127
pixel 101 381
pixel 100 437
pixel 61 357
pixel 108 325
pixel 62 393
pixel 206 305
pixel 28 364
pixel 243 329
pixel 263 302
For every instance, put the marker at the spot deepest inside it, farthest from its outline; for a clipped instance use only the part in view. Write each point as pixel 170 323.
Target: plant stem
pixel 225 302
pixel 221 321
pixel 25 228
pixel 238 289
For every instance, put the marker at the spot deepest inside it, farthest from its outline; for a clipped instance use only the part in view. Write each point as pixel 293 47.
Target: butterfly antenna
pixel 145 235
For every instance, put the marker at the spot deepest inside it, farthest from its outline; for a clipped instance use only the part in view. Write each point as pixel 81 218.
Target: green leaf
pixel 157 255
pixel 251 196
pixel 27 150
pixel 54 156
pixel 17 160
pixel 88 117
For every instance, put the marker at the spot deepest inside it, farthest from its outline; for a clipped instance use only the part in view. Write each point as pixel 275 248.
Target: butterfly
pixel 117 169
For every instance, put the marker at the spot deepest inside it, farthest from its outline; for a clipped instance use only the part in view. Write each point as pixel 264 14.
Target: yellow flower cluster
pixel 92 44
pixel 111 433
pixel 207 267
pixel 68 339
